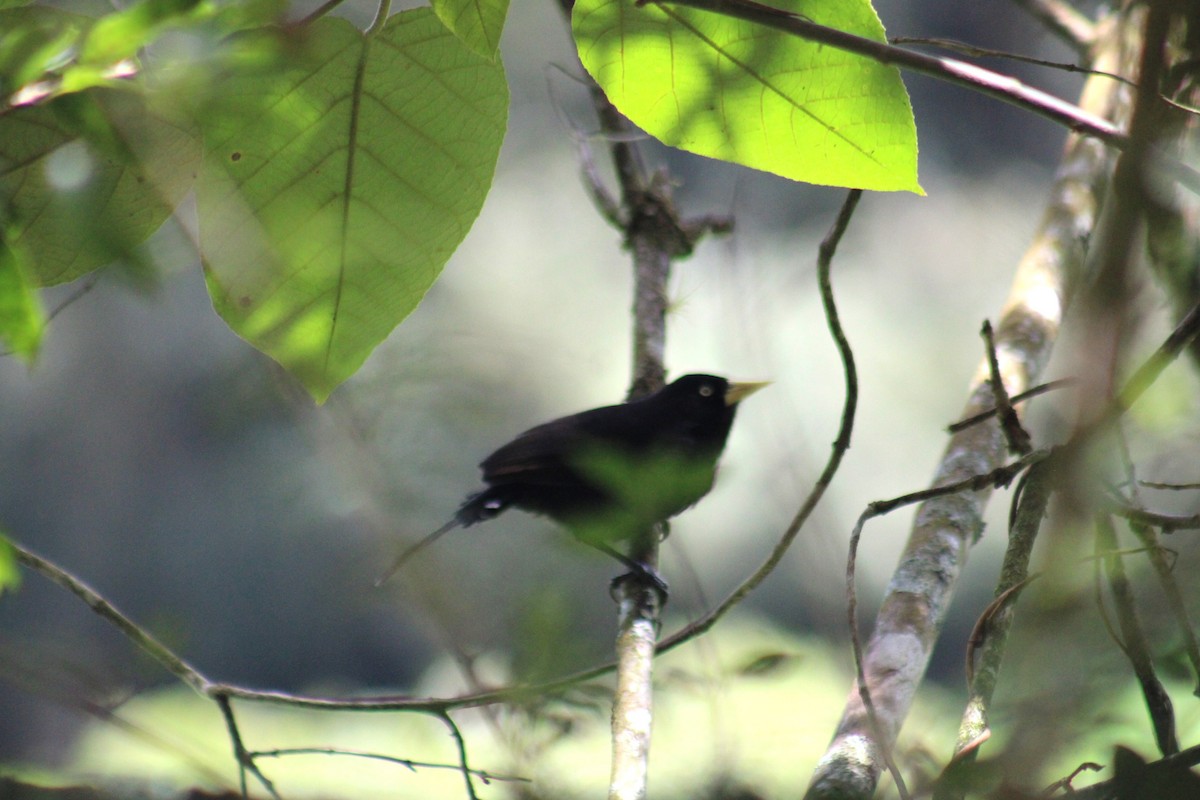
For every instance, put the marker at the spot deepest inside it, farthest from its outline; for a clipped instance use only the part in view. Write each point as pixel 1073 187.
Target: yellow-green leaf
pixel 478 23
pixel 10 576
pixel 740 92
pixel 22 320
pixel 335 190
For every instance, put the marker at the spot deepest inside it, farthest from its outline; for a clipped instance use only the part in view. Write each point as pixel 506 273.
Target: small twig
pixel 1167 352
pixel 86 286
pixel 1181 106
pixel 987 619
pixel 606 204
pixel 1065 783
pixel 1041 388
pixel 974 51
pixel 997 478
pixel 860 673
pixel 841 443
pixel 243 757
pixel 132 631
pixel 948 782
pixel 320 11
pixel 1167 523
pixel 1017 437
pixel 483 775
pixel 1105 790
pixel 1175 487
pixel 461 746
pixel 381 17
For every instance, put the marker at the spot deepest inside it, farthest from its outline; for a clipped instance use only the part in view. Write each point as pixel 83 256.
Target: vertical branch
pixel 1034 496
pixel 655 236
pixel 244 758
pixel 910 619
pixel 461 746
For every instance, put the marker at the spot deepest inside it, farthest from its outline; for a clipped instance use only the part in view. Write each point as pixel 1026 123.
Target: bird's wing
pixel 540 455
pixel 549 453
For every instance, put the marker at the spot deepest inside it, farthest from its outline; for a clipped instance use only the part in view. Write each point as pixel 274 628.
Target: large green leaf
pixel 334 191
pixel 478 23
pixel 732 90
pixel 87 177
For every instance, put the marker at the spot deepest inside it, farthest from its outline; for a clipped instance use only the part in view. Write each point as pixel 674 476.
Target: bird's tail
pixel 476 508
pixel 408 553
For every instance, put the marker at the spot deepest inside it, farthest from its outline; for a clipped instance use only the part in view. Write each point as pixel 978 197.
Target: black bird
pixel 610 473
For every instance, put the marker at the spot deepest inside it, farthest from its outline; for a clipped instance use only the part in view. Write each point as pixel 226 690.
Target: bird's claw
pixel 645 576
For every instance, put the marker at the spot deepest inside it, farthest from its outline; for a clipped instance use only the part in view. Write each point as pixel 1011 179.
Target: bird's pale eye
pixel 706 390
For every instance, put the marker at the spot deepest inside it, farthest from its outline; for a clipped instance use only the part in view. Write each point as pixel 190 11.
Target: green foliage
pixel 337 171
pixel 21 318
pixel 739 92
pixel 85 178
pixel 334 190
pixel 478 23
pixel 645 487
pixel 10 576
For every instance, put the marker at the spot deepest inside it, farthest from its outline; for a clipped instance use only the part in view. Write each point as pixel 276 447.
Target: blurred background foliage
pixel 186 477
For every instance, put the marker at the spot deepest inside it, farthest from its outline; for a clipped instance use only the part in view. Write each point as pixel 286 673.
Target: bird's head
pixel 710 392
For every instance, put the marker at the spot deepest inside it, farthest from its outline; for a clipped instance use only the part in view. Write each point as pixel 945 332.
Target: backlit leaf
pixel 335 190
pixel 741 92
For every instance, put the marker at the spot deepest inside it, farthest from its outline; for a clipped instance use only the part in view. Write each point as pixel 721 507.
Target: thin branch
pixel 913 610
pixel 974 51
pixel 841 442
pixel 652 234
pixel 461 746
pixel 988 627
pixel 1174 487
pixel 381 17
pixel 880 743
pixel 132 631
pixel 1018 439
pixel 997 478
pixel 1168 523
pixel 320 11
pixel 656 236
pixel 1107 790
pixel 1187 330
pixel 605 203
pixel 990 635
pixel 413 766
pixel 1133 639
pixel 87 285
pixel 242 756
pixel 1065 783
pixel 1041 388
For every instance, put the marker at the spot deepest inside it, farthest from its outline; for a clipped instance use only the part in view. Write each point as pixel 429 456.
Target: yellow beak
pixel 737 392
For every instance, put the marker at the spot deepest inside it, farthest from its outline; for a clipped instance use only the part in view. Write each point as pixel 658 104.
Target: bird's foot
pixel 644 576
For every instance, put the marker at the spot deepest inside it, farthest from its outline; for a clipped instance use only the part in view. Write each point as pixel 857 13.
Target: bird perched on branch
pixel 610 473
